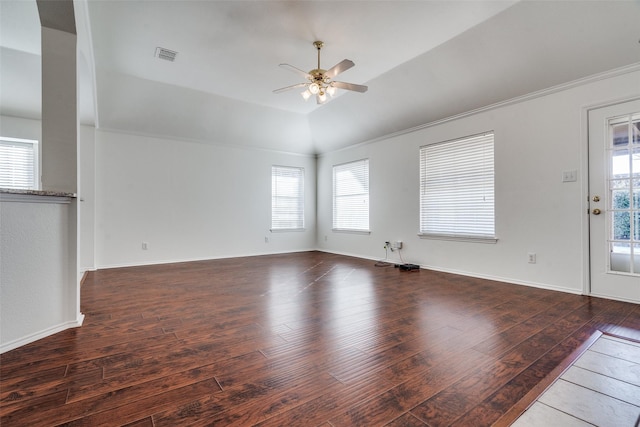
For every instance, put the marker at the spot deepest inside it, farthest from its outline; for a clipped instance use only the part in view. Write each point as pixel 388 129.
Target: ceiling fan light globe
pixel 306 94
pixel 314 88
pixel 322 97
pixel 331 90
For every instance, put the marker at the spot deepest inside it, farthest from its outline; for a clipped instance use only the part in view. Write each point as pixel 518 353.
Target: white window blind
pixel 457 188
pixel 287 198
pixel 351 196
pixel 18 163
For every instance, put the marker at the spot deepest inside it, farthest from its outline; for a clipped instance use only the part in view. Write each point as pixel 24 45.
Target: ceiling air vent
pixel 166 54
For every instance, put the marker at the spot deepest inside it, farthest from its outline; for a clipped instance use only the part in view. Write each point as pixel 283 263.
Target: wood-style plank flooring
pixel 305 339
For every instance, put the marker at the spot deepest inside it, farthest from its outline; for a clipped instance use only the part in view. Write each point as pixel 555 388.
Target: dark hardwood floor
pixel 306 339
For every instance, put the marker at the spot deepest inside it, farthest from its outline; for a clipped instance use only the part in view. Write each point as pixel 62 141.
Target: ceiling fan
pixel 320 82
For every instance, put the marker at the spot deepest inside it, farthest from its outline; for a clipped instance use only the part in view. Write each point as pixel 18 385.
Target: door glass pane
pixel 619 184
pixel 620 247
pixel 620 135
pixel 620 163
pixel 619 257
pixel 620 199
pixel 621 226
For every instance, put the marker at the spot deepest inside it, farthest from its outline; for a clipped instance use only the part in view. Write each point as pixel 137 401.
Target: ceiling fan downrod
pixel 318 75
pixel 319 45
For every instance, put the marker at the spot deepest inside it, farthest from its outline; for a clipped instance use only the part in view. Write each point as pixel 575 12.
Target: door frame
pixel 584 184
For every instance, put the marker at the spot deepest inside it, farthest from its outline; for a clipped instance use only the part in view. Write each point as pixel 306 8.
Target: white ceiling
pixel 422 60
pixel 233 48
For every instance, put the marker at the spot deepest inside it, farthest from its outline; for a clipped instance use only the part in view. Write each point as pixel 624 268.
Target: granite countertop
pixel 47 193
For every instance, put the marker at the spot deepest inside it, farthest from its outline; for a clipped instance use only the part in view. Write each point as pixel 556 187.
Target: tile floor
pixel 601 388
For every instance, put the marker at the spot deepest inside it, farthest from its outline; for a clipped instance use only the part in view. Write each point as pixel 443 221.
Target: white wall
pixel 16 127
pixel 189 200
pixel 535 141
pixel 38 288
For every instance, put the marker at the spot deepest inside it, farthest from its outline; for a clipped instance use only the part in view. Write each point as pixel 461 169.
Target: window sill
pixel 286 230
pixel 345 230
pixel 451 237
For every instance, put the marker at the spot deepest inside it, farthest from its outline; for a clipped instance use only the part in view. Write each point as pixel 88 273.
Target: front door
pixel 614 201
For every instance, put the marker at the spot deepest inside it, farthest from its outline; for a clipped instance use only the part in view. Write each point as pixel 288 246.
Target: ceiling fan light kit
pixel 320 82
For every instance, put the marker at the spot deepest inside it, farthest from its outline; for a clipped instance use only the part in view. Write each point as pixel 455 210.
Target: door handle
pixel 596 211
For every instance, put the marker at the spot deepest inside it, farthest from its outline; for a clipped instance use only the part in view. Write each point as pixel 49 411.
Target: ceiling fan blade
pixel 340 67
pixel 284 89
pixel 296 70
pixel 350 86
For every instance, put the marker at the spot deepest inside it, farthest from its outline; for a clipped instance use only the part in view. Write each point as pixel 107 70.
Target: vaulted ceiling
pixel 422 60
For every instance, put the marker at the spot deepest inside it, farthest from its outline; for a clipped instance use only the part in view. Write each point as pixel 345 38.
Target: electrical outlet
pixel 145 246
pixel 397 244
pixel 532 257
pixel 266 240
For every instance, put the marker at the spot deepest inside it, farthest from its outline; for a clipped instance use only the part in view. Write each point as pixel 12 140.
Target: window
pixel 287 198
pixel 624 193
pixel 18 163
pixel 351 196
pixel 457 189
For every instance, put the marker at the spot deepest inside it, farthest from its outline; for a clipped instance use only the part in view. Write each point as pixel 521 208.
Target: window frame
pixel 300 198
pixel 455 228
pixel 34 171
pixel 338 223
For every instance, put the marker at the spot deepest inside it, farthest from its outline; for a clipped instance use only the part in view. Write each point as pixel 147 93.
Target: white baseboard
pixel 213 257
pixel 476 275
pixel 4 347
pixel 357 256
pixel 507 280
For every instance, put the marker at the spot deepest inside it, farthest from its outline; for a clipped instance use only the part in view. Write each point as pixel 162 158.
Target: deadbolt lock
pixel 596 198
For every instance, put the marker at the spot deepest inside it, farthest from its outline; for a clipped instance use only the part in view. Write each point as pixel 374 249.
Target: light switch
pixel 570 176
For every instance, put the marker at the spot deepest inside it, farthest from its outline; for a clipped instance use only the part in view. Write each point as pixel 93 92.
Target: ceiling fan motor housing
pixel 318 75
